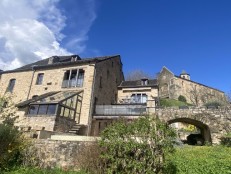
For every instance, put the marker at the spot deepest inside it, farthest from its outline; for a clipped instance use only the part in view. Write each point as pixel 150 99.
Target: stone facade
pixel 172 86
pixel 106 70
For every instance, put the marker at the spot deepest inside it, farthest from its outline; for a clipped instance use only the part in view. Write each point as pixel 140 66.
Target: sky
pixel 190 35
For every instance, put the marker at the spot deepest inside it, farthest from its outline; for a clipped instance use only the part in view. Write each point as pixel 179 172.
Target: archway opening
pixel 190 131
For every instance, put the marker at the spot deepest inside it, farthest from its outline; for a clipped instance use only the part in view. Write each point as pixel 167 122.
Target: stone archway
pixel 205 130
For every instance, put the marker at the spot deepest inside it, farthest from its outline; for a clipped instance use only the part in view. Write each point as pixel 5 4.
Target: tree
pixel 182 98
pixel 137 75
pixel 138 146
pixel 11 140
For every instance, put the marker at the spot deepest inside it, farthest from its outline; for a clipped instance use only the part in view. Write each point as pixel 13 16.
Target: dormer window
pixel 144 82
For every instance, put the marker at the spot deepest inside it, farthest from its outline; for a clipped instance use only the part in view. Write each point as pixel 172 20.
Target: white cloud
pixel 32 29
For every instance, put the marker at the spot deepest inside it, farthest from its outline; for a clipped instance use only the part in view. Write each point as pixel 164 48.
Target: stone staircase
pixel 76 128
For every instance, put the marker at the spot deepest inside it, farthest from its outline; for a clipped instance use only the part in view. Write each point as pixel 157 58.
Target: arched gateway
pixel 213 123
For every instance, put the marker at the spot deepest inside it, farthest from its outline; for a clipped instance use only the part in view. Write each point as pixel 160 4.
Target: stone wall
pixel 60 154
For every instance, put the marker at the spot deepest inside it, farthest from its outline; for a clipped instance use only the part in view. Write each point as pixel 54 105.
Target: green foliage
pixel 138 146
pixel 11 143
pixel 215 104
pixel 171 102
pixel 226 140
pixel 11 140
pixel 199 160
pixel 182 98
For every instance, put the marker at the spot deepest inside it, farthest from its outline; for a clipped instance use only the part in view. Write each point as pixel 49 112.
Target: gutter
pixel 31 81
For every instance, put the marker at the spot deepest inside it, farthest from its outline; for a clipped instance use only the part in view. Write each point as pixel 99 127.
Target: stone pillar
pixel 151 104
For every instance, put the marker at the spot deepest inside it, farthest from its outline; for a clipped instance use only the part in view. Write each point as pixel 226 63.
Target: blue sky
pixel 190 35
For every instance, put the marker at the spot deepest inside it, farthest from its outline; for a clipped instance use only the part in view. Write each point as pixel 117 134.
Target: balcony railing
pixel 72 83
pixel 120 110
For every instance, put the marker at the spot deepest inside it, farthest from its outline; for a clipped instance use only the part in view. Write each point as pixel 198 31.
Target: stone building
pixel 144 91
pixel 172 86
pixel 135 98
pixel 60 93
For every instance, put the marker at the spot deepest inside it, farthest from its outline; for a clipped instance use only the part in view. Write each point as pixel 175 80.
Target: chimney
pixel 53 59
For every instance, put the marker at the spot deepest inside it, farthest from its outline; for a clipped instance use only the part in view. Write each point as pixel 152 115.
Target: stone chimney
pixel 74 58
pixel 53 59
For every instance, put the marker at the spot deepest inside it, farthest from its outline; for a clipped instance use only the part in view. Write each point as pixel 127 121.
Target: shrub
pixel 182 98
pixel 11 143
pixel 138 146
pixel 11 140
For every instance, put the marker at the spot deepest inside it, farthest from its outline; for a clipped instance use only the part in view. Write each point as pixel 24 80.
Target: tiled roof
pixel 59 61
pixel 137 83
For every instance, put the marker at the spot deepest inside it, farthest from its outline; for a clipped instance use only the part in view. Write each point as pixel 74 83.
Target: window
pixel 144 82
pixel 42 109
pixel 39 80
pixel 139 98
pixel 73 78
pixel 11 85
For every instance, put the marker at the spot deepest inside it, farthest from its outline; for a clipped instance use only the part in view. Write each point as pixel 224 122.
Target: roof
pixel 184 73
pixel 50 97
pixel 60 61
pixel 137 83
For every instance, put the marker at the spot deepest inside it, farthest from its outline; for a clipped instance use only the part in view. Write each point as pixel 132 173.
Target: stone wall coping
pixel 73 138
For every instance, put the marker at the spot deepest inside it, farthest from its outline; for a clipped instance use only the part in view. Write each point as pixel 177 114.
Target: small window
pixel 11 85
pixel 39 80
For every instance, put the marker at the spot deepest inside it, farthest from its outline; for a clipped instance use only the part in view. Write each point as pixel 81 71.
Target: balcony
pixel 120 110
pixel 72 83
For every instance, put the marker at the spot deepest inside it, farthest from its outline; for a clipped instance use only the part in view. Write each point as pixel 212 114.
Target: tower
pixel 185 75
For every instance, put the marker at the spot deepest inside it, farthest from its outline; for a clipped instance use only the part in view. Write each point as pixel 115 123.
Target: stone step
pixel 75 128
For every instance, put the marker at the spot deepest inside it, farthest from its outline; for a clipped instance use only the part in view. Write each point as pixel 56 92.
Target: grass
pixel 172 102
pixel 200 160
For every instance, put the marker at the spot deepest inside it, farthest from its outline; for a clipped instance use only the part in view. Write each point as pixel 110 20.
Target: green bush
pixel 182 98
pixel 11 144
pixel 226 140
pixel 199 160
pixel 11 140
pixel 138 146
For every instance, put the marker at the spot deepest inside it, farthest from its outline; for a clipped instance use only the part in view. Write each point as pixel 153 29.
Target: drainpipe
pixel 31 81
pixel 91 104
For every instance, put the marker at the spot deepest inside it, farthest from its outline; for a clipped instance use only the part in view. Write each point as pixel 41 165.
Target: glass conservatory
pixel 64 104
